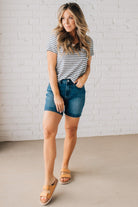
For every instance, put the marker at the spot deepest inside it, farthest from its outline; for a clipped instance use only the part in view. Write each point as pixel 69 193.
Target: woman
pixel 69 54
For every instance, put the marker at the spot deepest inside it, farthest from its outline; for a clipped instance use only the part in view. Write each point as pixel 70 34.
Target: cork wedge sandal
pixel 65 173
pixel 48 192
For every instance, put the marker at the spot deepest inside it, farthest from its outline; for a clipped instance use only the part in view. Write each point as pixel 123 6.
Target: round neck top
pixel 72 65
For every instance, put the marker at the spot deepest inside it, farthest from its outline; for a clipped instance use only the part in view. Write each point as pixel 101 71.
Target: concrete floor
pixel 104 170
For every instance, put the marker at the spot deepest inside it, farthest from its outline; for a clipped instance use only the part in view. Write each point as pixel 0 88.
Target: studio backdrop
pixel 111 106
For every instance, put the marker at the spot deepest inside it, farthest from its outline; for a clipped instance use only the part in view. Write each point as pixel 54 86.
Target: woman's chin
pixel 68 30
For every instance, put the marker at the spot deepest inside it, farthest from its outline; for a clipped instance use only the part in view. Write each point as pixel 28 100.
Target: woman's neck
pixel 74 35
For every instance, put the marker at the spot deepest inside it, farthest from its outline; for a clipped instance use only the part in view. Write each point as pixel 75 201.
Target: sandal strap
pixel 65 173
pixel 48 189
pixel 65 176
pixel 65 170
pixel 45 193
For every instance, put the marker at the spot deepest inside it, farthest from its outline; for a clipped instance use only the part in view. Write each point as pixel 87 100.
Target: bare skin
pixel 50 125
pixel 71 125
pixel 68 22
pixel 51 119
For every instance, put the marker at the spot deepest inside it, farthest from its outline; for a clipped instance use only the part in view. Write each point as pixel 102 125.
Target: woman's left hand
pixel 81 81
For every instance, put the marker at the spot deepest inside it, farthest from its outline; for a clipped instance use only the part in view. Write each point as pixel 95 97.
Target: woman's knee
pixel 49 132
pixel 50 124
pixel 71 132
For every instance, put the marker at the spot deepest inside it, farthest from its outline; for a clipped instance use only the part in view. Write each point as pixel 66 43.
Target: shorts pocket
pixel 82 88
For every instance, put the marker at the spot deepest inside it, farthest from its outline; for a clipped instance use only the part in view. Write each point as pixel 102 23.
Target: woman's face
pixel 68 21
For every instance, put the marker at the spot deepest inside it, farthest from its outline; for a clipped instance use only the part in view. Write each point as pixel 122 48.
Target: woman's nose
pixel 66 21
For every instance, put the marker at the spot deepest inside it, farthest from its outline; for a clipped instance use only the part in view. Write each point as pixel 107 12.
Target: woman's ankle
pixel 64 166
pixel 49 181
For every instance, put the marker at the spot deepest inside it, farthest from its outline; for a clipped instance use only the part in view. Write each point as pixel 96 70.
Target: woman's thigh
pixel 51 120
pixel 71 125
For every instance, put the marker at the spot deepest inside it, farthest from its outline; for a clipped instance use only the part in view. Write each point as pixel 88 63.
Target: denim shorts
pixel 74 98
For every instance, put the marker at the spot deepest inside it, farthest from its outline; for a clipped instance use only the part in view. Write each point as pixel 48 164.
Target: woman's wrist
pixel 55 88
pixel 85 77
pixel 56 94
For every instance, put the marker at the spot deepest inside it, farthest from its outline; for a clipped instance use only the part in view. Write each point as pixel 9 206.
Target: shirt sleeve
pixel 52 43
pixel 91 46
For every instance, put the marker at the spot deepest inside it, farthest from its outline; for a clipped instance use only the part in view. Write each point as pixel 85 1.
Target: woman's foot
pixel 48 189
pixel 65 176
pixel 64 179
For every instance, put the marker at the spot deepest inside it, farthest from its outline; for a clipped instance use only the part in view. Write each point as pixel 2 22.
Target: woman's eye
pixel 64 18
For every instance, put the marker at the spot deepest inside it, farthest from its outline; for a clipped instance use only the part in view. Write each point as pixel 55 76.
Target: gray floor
pixel 104 169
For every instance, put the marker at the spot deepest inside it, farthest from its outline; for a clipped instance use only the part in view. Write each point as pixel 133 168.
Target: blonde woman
pixel 69 55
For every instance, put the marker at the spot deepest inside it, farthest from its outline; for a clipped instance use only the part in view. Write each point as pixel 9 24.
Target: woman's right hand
pixel 59 102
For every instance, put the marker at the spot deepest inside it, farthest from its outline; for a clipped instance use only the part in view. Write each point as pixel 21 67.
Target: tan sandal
pixel 65 173
pixel 48 192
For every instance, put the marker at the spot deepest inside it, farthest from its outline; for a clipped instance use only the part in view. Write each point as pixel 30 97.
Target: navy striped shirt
pixel 72 65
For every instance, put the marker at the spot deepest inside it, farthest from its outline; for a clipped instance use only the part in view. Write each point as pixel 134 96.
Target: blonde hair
pixel 64 39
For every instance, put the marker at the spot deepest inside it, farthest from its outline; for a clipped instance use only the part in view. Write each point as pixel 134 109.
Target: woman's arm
pixel 82 79
pixel 52 61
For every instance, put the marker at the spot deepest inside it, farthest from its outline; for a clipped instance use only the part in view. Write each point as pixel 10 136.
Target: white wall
pixel 112 88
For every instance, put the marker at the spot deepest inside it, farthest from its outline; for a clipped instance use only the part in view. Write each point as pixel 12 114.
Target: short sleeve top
pixel 72 65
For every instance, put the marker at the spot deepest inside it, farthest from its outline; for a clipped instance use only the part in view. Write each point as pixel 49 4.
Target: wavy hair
pixel 64 39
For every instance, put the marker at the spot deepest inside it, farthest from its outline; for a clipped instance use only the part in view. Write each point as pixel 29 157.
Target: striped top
pixel 69 66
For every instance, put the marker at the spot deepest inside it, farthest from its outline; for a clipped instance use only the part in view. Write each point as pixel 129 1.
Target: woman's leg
pixel 50 126
pixel 71 126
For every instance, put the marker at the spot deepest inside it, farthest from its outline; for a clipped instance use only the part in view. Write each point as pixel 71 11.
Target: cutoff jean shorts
pixel 74 98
